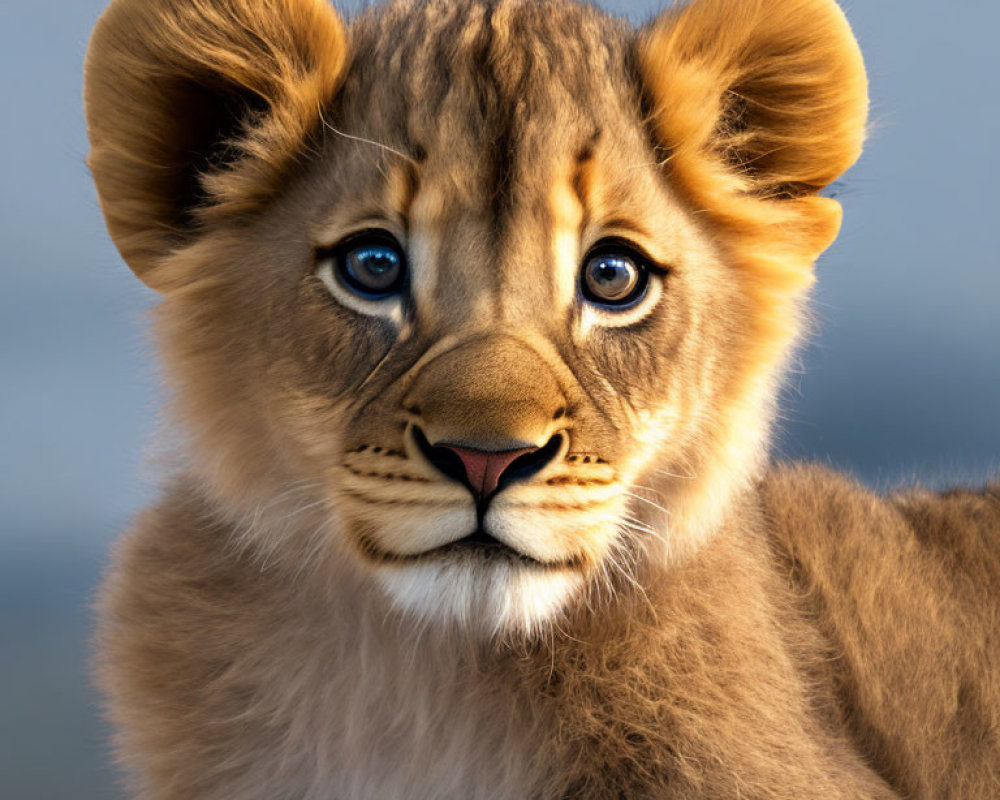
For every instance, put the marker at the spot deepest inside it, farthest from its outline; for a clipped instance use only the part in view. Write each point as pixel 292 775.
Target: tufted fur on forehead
pixel 492 86
pixel 494 60
pixel 179 92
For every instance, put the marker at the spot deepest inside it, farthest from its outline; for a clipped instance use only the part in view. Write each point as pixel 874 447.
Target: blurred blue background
pixel 900 383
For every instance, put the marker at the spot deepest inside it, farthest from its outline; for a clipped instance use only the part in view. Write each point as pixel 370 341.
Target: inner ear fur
pixel 759 105
pixel 200 104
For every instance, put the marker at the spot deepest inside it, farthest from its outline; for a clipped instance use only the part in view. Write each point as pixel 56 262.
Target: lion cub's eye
pixel 614 275
pixel 370 264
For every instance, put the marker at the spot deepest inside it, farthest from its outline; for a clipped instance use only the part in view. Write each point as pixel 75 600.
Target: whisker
pixel 657 506
pixel 625 569
pixel 649 532
pixel 674 475
pixel 372 142
pixel 639 525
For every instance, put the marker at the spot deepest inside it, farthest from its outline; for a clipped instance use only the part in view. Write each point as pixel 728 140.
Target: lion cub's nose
pixel 483 468
pixel 487 471
pixel 487 412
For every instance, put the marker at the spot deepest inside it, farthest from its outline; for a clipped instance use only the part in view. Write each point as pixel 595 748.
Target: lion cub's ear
pixel 200 102
pixel 761 98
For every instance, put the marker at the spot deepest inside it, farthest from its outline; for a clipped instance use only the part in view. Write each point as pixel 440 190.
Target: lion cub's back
pixel 905 588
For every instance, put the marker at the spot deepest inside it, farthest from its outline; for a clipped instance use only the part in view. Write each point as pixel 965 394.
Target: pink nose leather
pixel 483 468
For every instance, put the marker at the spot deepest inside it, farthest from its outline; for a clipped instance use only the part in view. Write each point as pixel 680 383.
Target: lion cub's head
pixel 484 297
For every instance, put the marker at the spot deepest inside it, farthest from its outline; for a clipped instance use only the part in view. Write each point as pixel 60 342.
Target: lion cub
pixel 474 312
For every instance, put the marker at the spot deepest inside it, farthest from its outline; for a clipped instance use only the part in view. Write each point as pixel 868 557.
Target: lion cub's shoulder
pixel 904 588
pixel 813 508
pixel 813 499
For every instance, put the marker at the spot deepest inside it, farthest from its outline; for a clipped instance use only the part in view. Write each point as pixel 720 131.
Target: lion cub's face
pixel 499 322
pixel 478 335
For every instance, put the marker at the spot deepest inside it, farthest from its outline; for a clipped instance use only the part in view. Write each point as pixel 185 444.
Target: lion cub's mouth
pixel 547 511
pixel 478 545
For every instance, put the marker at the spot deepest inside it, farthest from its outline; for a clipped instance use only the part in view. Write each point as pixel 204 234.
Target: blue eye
pixel 371 265
pixel 614 276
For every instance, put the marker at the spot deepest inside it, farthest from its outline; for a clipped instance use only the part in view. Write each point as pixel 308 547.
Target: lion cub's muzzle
pixel 487 414
pixel 486 473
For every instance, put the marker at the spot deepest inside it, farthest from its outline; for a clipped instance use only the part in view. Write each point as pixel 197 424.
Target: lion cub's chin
pixel 488 596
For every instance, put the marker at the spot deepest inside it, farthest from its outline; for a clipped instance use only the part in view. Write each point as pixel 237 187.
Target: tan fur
pixel 672 617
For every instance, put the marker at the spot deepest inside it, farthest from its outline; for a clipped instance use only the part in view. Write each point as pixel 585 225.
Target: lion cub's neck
pixel 660 661
pixel 691 665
